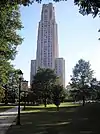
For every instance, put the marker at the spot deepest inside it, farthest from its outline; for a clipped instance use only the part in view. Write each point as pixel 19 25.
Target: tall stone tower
pixel 47 55
pixel 47 41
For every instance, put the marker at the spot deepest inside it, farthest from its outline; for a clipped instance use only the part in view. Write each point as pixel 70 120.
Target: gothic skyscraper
pixel 47 55
pixel 47 42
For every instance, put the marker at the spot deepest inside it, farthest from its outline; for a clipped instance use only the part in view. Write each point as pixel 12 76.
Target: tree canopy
pixel 58 94
pixel 42 83
pixel 82 74
pixel 81 78
pixel 10 24
pixel 88 7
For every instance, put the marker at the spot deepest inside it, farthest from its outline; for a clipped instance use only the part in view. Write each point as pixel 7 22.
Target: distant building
pixel 33 70
pixel 47 41
pixel 60 70
pixel 47 54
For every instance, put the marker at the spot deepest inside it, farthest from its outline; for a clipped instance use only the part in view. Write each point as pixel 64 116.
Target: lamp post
pixel 20 78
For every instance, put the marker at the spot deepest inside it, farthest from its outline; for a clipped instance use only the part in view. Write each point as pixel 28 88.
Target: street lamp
pixel 20 79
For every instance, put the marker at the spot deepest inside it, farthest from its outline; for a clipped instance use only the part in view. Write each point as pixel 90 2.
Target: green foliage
pixel 81 79
pixel 12 84
pixel 9 38
pixel 95 89
pixel 15 2
pixel 2 94
pixel 85 6
pixel 43 80
pixel 82 74
pixel 58 94
pixel 88 7
pixel 5 67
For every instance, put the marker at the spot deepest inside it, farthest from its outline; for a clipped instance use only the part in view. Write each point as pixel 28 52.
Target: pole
pixel 18 117
pixel 24 100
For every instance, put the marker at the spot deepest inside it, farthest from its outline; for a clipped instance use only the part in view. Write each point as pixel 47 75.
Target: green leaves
pixel 42 83
pixel 82 74
pixel 9 38
pixel 88 7
pixel 10 23
pixel 46 76
pixel 58 94
pixel 85 6
pixel 2 95
pixel 45 88
pixel 81 80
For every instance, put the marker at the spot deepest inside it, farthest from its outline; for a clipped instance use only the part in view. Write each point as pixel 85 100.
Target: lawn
pixel 70 119
pixel 50 107
pixel 4 108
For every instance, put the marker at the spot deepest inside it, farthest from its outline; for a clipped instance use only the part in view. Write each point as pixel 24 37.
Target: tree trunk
pixel 45 102
pixel 24 100
pixel 6 100
pixel 83 100
pixel 58 108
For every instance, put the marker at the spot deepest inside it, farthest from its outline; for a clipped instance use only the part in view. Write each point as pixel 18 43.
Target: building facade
pixel 60 70
pixel 32 70
pixel 47 40
pixel 47 53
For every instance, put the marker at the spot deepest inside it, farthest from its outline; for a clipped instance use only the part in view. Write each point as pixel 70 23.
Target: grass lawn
pixel 70 119
pixel 4 108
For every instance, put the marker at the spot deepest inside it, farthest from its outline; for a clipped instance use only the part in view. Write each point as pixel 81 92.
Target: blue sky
pixel 78 37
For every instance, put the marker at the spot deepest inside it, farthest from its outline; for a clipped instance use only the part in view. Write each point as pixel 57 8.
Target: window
pixel 45 10
pixel 45 25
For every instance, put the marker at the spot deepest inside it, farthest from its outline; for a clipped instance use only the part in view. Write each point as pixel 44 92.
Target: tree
pixel 9 38
pixel 95 89
pixel 43 80
pixel 81 78
pixel 58 95
pixel 11 86
pixel 5 67
pixel 9 25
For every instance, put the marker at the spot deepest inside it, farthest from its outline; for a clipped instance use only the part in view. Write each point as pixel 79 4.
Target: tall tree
pixel 43 80
pixel 58 95
pixel 81 78
pixel 13 83
pixel 10 23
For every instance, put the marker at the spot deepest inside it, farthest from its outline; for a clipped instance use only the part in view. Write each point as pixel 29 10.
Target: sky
pixel 77 36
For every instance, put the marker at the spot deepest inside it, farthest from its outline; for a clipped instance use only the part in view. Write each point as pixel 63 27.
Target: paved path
pixel 7 118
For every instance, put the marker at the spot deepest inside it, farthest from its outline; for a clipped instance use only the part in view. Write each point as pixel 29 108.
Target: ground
pixel 4 108
pixel 70 119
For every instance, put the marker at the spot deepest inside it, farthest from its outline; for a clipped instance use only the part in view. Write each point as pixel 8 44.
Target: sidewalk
pixel 7 118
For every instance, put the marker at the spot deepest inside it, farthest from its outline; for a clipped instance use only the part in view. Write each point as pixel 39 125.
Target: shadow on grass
pixel 69 120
